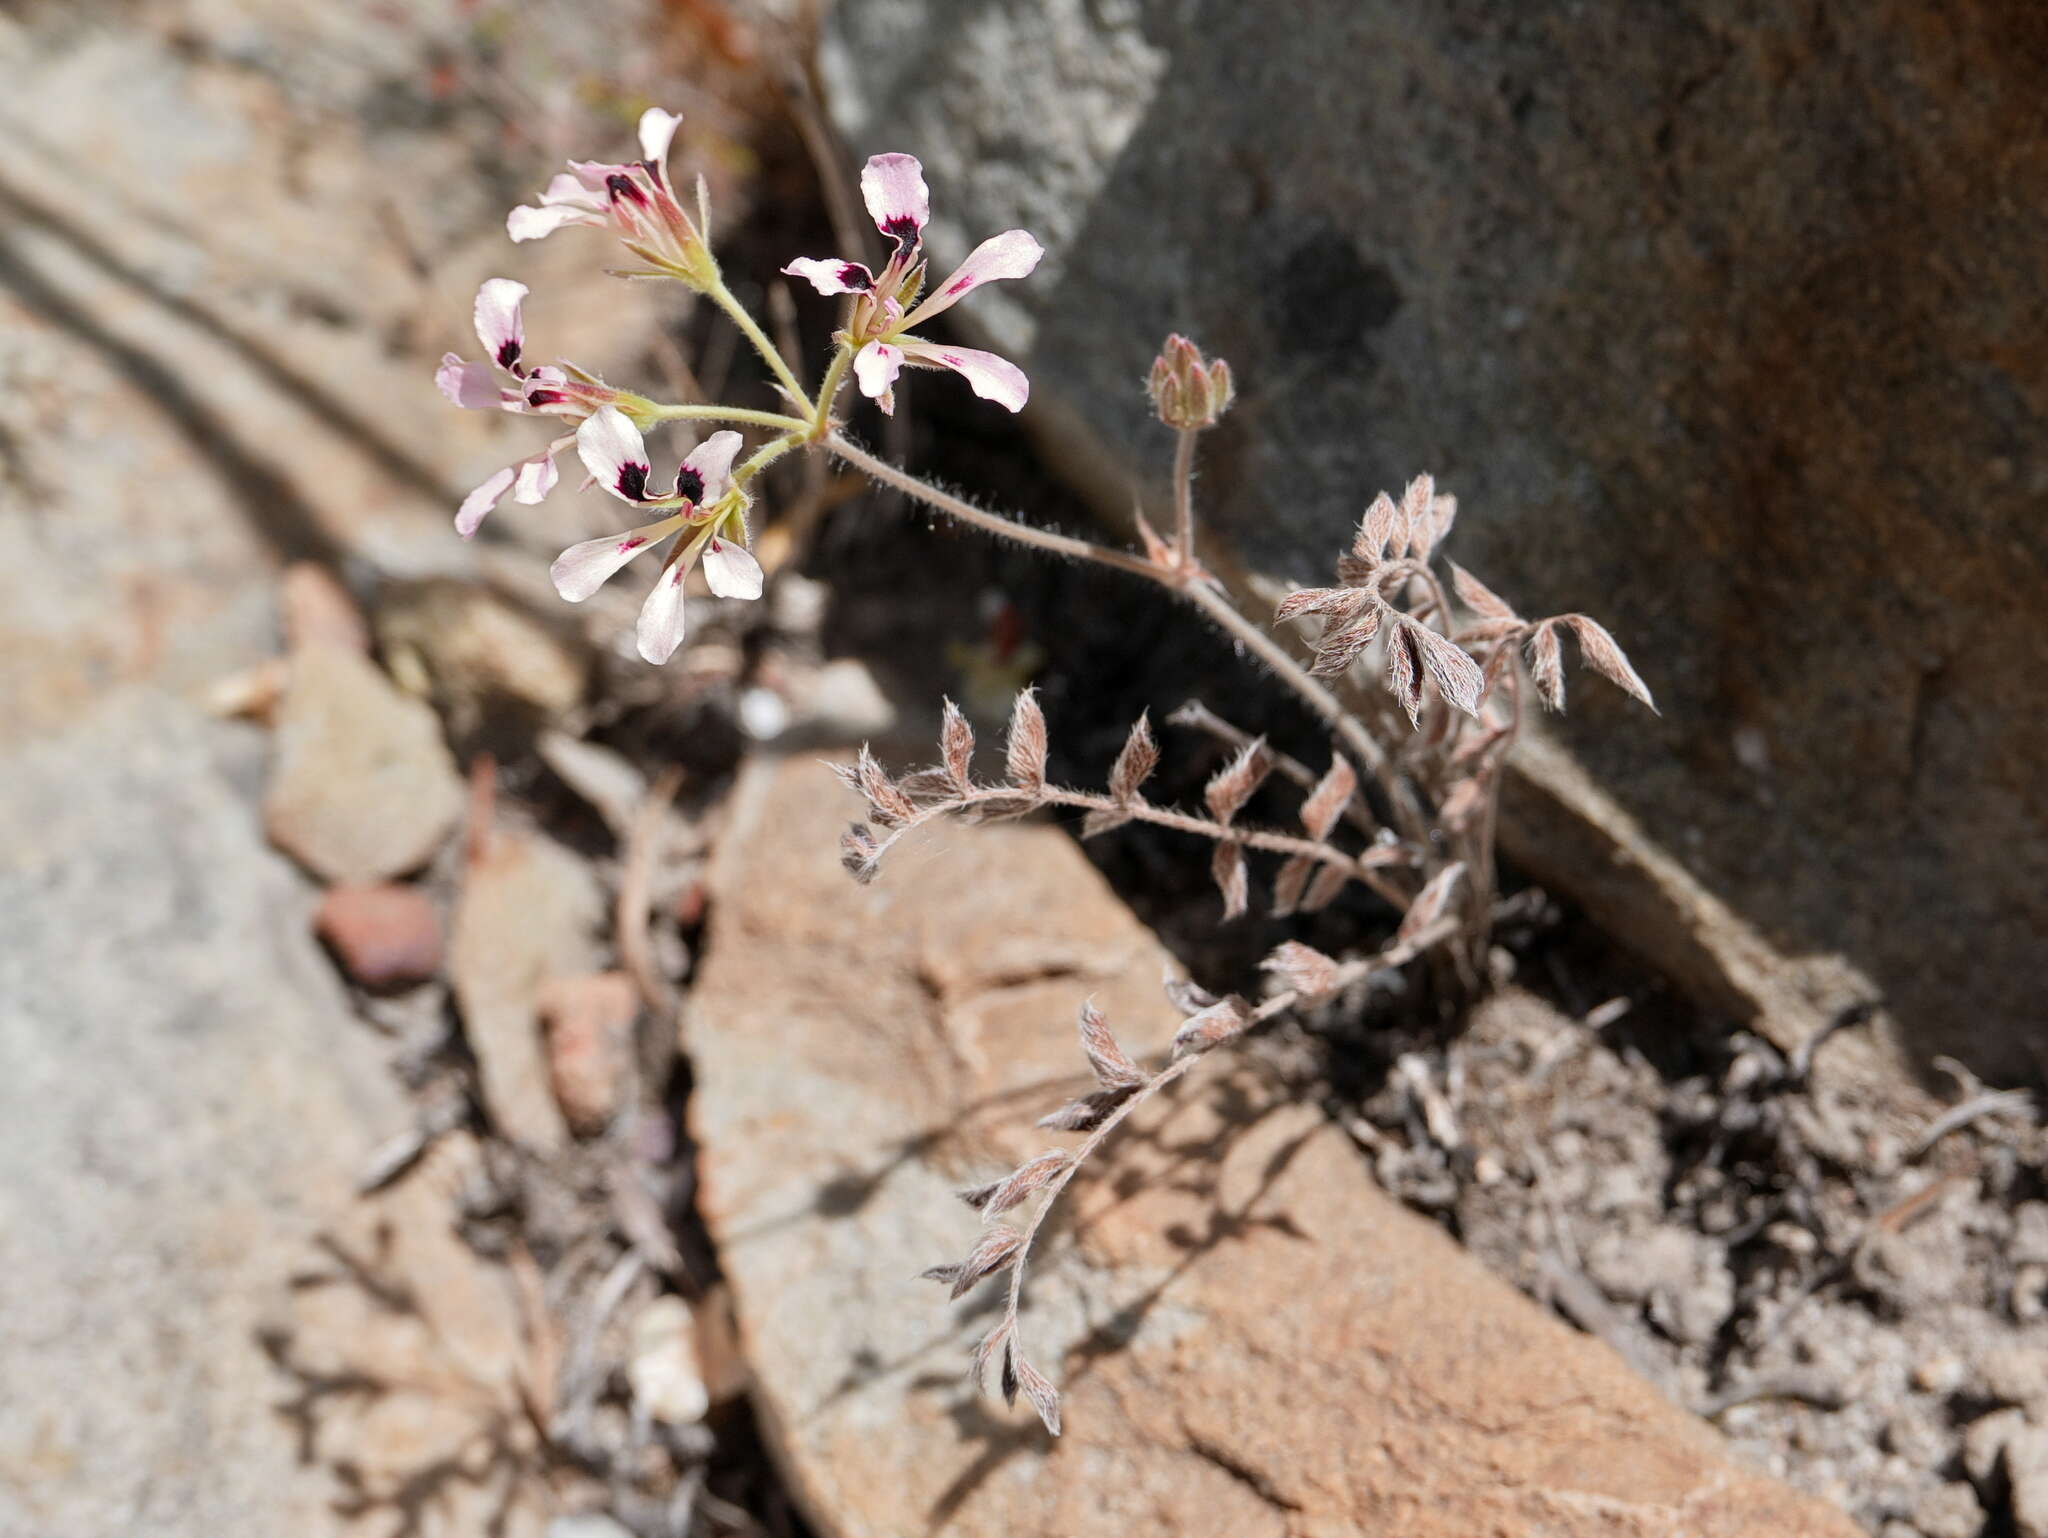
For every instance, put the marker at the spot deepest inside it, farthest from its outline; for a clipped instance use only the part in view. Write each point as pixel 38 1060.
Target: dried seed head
pixel 1188 391
pixel 1430 902
pixel 859 853
pixel 986 1350
pixel 1234 784
pixel 956 741
pixel 1292 880
pixel 1087 1113
pixel 1332 794
pixel 1140 756
pixel 1607 659
pixel 1323 890
pixel 992 1252
pixel 998 1197
pixel 1546 664
pixel 1478 597
pixel 1044 1398
pixel 1228 868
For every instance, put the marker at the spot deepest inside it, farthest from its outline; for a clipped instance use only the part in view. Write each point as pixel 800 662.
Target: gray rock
pixel 2026 1465
pixel 1949 1511
pixel 364 788
pixel 1984 1446
pixel 1655 293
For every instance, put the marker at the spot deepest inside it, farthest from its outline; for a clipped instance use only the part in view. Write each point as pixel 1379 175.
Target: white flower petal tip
pixel 529 223
pixel 829 276
pixel 709 465
pixel 657 132
pixel 894 190
pixel 876 367
pixel 1012 254
pixel 498 323
pixel 731 570
pixel 535 478
pixel 992 378
pixel 613 452
pixel 478 504
pixel 582 569
pixel 471 386
pixel 660 630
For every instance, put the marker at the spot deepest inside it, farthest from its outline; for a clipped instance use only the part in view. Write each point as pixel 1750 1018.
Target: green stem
pixel 769 452
pixel 835 376
pixel 723 298
pixel 727 414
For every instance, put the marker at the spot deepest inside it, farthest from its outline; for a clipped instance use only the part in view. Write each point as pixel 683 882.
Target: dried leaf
pixel 1443 512
pixel 1322 891
pixel 1478 597
pixel 1007 1378
pixel 1336 650
pixel 1450 667
pixel 1044 1398
pixel 1404 669
pixel 1546 664
pixel 1134 765
pixel 985 1351
pixel 998 1197
pixel 888 803
pixel 1234 784
pixel 1375 530
pixel 1326 803
pixel 1027 743
pixel 1464 803
pixel 992 1252
pixel 1113 1067
pixel 1087 1113
pixel 1215 1025
pixel 1487 631
pixel 1606 658
pixel 1185 996
pixel 1430 902
pixel 1413 523
pixel 956 739
pixel 1227 866
pixel 1288 884
pixel 1353 572
pixel 1303 968
pixel 1339 603
pixel 859 853
pixel 1102 822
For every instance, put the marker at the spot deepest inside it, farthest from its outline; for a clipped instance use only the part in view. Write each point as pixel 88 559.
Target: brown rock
pixel 588 1024
pixel 316 610
pixel 363 788
pixel 1251 1338
pixel 525 916
pixel 386 936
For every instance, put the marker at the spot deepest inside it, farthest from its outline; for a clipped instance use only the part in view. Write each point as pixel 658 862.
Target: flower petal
pixel 831 276
pixel 482 500
pixel 582 569
pixel 660 630
pixel 529 223
pixel 709 467
pixel 994 379
pixel 876 366
pixel 894 188
pixel 536 477
pixel 1012 254
pixel 731 569
pixel 657 130
pixel 498 323
pixel 613 451
pixel 473 386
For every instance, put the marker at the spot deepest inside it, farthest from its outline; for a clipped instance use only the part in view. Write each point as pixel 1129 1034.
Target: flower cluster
pixel 705 508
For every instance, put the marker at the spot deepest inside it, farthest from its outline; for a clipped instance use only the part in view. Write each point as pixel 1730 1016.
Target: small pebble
pixel 1949 1511
pixel 1941 1373
pixel 588 1023
pixel 667 1382
pixel 386 936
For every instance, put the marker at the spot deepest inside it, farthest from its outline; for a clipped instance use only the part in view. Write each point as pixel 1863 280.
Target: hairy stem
pixel 835 376
pixel 738 414
pixel 722 296
pixel 1184 497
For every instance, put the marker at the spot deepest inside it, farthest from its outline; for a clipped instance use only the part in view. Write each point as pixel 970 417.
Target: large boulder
pixel 1721 320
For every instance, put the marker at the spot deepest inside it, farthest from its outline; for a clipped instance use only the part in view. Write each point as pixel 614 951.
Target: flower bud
pixel 1188 391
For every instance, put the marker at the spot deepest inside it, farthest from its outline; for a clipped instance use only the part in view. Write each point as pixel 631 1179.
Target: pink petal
pixel 894 188
pixel 660 630
pixel 1011 254
pixel 657 130
pixel 731 569
pixel 537 476
pixel 529 223
pixel 994 379
pixel 498 323
pixel 612 450
pixel 482 500
pixel 582 569
pixel 473 386
pixel 876 366
pixel 710 462
pixel 830 276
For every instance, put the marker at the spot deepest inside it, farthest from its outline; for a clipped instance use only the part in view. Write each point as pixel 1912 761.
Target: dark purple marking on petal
pixel 545 398
pixel 508 354
pixel 628 546
pixel 903 230
pixel 961 285
pixel 621 186
pixel 689 484
pixel 717 548
pixel 632 482
pixel 856 277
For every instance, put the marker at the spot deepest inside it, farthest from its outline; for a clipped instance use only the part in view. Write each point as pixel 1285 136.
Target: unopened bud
pixel 1189 391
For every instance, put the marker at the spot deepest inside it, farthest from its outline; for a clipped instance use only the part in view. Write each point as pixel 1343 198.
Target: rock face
pixel 1675 301
pixel 1251 1338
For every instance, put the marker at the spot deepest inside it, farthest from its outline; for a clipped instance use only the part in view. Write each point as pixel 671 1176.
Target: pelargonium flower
pixel 887 309
pixel 702 498
pixel 635 201
pixel 504 382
